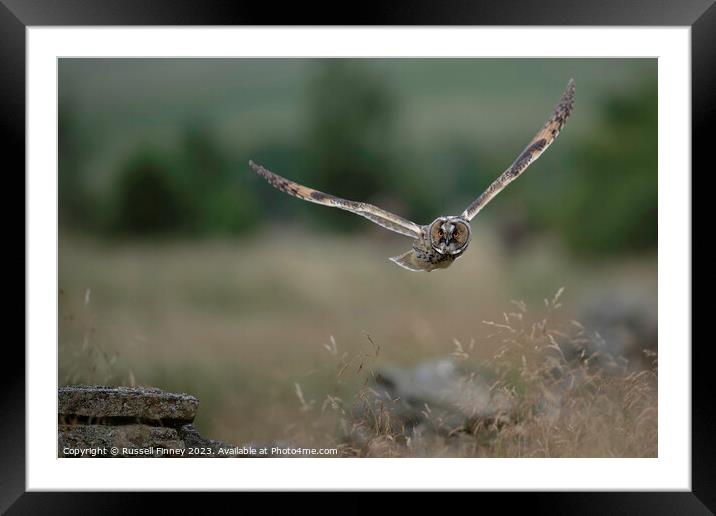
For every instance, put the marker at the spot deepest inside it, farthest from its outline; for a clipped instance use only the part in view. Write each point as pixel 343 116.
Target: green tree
pixel 609 202
pixel 350 138
pixel 219 194
pixel 147 197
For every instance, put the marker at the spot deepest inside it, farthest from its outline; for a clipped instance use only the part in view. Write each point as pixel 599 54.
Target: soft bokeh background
pixel 181 269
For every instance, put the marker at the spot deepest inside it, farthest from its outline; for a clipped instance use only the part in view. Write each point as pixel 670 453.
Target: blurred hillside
pixel 159 147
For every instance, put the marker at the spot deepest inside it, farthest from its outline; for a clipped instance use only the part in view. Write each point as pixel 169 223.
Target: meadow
pixel 240 323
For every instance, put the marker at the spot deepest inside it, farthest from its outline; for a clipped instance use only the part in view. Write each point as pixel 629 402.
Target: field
pixel 181 269
pixel 249 325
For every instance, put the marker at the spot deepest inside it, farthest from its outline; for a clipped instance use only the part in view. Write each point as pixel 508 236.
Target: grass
pixel 248 325
pixel 556 390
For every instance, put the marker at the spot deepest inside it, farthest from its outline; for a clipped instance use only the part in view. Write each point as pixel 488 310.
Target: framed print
pixel 435 250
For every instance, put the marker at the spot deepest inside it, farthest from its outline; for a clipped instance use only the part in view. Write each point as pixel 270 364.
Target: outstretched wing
pixel 373 213
pixel 534 150
pixel 409 261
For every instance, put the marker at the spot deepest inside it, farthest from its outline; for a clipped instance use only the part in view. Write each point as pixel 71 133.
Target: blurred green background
pixel 182 269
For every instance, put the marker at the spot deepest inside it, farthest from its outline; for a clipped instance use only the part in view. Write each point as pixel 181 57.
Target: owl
pixel 440 243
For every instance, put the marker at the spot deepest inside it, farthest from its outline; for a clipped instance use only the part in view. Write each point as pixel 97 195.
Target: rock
pixel 434 395
pixel 627 323
pixel 98 421
pixel 158 441
pixel 193 439
pixel 140 403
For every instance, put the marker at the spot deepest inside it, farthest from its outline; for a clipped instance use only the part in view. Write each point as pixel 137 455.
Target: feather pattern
pixel 373 213
pixel 534 150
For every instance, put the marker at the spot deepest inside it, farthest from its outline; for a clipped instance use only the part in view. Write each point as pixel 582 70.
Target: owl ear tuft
pixel 407 261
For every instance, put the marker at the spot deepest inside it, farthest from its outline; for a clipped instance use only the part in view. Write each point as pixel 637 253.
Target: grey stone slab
pixel 143 403
pixel 126 440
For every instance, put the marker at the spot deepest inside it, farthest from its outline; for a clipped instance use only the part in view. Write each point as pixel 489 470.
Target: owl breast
pixel 430 258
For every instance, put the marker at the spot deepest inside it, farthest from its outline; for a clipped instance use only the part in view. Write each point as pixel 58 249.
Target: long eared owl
pixel 438 244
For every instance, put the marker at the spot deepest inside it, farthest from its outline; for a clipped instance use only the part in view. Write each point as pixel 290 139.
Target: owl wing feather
pixel 408 260
pixel 373 213
pixel 534 150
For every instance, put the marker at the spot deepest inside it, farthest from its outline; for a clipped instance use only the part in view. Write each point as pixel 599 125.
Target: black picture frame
pixel 17 15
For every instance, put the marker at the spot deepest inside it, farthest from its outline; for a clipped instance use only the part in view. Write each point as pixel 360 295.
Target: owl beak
pixel 448 236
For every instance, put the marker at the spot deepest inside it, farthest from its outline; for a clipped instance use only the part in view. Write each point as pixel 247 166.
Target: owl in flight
pixel 439 244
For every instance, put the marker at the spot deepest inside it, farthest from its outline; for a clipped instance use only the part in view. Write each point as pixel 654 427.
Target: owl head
pixel 450 235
